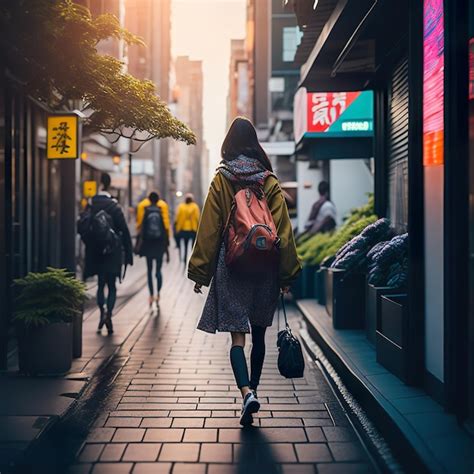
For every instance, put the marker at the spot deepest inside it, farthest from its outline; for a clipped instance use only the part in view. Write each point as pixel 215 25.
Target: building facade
pixel 187 162
pixel 418 67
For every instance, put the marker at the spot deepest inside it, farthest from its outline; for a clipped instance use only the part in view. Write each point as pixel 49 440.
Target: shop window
pixel 291 39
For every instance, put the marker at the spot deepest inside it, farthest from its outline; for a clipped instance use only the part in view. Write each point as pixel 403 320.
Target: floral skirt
pixel 235 301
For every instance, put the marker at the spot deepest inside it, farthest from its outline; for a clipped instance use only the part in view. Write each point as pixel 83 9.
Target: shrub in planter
pixel 312 250
pixel 45 308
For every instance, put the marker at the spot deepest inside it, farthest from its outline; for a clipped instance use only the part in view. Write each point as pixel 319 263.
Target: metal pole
pixel 130 189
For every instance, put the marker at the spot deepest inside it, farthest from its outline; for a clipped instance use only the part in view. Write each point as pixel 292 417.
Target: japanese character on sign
pixel 62 136
pixel 327 107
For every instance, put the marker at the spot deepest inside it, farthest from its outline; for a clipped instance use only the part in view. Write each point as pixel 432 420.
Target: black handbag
pixel 290 354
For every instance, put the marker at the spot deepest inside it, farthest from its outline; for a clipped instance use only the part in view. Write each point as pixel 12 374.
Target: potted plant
pixel 46 308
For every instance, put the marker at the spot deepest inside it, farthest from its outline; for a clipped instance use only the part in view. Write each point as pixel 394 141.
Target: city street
pixel 173 405
pixel 322 150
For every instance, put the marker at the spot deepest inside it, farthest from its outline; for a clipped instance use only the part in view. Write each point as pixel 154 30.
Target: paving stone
pixel 80 468
pixel 200 435
pixel 90 452
pixel 313 452
pixel 283 435
pixel 128 435
pixel 142 452
pixel 222 469
pixel 100 435
pixel 230 435
pixel 347 451
pixel 345 468
pixel 123 422
pixel 176 452
pixel 336 433
pixel 156 423
pixel 315 434
pixel 113 452
pixel 221 422
pixel 188 422
pixel 284 452
pixel 298 469
pixel 164 434
pixel 216 452
pixel 184 468
pixel 281 422
pixel 112 468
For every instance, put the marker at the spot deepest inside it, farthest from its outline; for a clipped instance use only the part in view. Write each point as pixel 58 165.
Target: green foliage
pixel 51 46
pixel 313 250
pixel 48 297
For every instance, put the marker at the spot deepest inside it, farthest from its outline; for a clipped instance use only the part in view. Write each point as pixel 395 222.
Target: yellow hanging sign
pixel 63 137
pixel 90 189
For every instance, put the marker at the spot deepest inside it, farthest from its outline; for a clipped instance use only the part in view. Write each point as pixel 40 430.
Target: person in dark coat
pixel 108 267
pixel 154 248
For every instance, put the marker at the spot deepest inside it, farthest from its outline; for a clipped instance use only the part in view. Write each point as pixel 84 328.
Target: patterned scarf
pixel 246 172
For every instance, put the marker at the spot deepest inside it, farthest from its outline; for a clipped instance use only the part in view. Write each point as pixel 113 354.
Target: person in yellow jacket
pixel 186 223
pixel 164 212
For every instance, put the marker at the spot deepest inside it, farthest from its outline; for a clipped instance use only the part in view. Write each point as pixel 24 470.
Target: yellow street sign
pixel 63 136
pixel 90 189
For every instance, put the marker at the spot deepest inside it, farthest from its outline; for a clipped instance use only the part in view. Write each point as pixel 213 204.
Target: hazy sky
pixel 202 29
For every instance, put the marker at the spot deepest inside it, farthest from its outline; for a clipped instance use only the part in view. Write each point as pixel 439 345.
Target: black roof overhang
pixel 353 43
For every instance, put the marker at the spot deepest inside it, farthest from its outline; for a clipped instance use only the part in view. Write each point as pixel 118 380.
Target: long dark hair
pixel 241 139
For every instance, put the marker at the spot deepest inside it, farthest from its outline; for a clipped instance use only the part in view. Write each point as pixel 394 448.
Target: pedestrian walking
pixel 243 298
pixel 153 244
pixel 108 248
pixel 322 217
pixel 143 204
pixel 186 224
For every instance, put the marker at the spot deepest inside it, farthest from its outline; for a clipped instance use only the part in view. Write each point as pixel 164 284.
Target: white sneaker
pixel 250 406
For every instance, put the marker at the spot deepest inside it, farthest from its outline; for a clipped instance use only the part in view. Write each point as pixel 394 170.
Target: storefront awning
pixel 344 56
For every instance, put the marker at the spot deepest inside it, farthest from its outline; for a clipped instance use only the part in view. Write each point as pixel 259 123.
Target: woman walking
pixel 238 302
pixel 154 243
pixel 186 224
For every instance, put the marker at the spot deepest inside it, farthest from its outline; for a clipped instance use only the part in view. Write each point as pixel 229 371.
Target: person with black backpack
pixel 153 244
pixel 104 231
pixel 245 245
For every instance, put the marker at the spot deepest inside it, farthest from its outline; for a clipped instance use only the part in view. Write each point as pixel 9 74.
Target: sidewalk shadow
pixel 255 453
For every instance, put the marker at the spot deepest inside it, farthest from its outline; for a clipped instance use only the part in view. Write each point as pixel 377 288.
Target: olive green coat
pixel 214 217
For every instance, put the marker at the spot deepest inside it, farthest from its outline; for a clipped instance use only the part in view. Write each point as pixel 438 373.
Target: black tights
pixel 109 280
pixel 159 278
pixel 257 356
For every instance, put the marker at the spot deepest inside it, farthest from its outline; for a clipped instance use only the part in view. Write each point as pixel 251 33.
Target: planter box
pixel 77 335
pixel 372 307
pixel 391 340
pixel 320 285
pixel 45 350
pixel 304 285
pixel 345 299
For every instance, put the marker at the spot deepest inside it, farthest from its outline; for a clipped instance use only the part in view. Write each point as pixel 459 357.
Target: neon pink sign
pixel 433 83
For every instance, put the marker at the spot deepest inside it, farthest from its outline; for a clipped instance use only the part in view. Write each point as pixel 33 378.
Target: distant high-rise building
pixel 188 93
pixel 238 100
pixel 151 20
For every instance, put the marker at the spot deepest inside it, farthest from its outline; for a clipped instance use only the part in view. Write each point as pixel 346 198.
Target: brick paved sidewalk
pixel 174 407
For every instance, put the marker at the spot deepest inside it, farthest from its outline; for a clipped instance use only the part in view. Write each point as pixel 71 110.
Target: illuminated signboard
pixel 333 114
pixel 433 83
pixel 63 137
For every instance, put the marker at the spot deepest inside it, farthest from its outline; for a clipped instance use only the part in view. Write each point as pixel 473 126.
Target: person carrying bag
pixel 245 246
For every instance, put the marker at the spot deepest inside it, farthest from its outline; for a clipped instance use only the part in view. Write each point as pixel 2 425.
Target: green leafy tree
pixel 50 46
